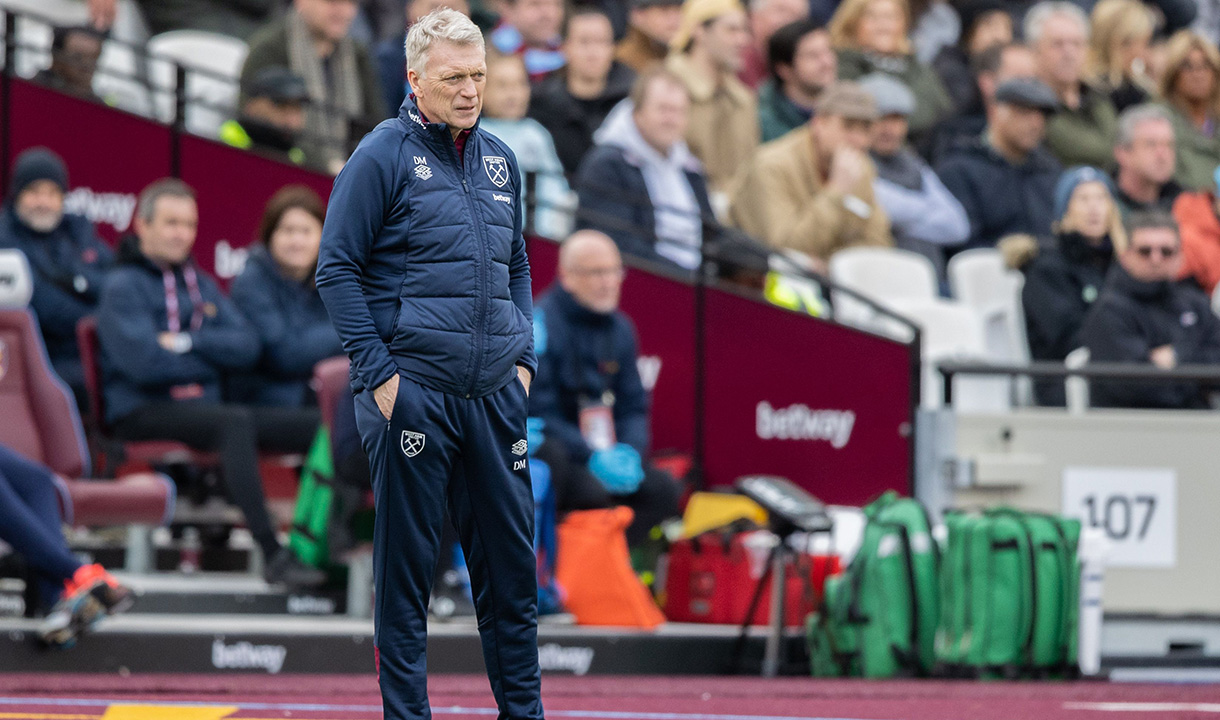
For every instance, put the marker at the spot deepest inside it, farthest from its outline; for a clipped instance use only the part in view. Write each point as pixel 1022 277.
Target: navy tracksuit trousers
pixel 440 448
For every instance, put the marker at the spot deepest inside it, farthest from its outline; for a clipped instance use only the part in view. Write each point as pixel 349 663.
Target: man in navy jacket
pixel 168 337
pixel 424 273
pixel 66 255
pixel 587 355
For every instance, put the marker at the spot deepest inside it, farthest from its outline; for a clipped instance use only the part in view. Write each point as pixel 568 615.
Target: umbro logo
pixel 422 171
pixel 520 447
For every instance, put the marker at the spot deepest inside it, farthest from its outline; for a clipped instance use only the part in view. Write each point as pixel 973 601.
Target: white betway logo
pixel 501 198
pixel 228 260
pixel 245 656
pixel 310 605
pixel 798 422
pixel 576 660
pixel 114 209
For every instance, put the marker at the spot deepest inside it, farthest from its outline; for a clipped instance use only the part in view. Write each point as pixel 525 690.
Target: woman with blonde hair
pixel 1118 56
pixel 1064 279
pixel 871 36
pixel 1190 87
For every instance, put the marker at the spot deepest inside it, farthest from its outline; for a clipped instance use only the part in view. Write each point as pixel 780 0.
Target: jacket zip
pixel 480 314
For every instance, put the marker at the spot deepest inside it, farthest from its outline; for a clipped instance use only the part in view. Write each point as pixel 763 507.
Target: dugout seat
pixel 42 423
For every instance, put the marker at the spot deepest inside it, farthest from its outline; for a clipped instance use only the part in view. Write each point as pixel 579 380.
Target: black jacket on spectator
pixel 1130 319
pixel 953 66
pixel 571 120
pixel 133 311
pixel 294 330
pixel 586 354
pixel 1061 283
pixel 614 199
pixel 1001 198
pixel 69 264
pixel 1169 192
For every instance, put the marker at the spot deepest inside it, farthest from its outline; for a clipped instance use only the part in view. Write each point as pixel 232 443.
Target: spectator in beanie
pixel 68 259
pixel 1066 277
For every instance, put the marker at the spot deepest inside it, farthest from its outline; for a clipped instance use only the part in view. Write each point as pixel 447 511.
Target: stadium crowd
pixel 1082 142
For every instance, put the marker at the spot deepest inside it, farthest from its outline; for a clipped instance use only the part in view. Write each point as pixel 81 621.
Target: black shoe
pixel 285 568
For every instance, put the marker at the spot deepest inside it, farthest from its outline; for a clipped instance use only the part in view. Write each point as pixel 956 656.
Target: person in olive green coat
pixel 871 36
pixel 1083 129
pixel 1191 88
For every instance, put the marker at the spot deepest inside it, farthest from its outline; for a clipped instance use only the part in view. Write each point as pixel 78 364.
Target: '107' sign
pixel 1135 507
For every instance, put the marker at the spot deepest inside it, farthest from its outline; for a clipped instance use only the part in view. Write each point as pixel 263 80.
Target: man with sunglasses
pixel 1145 317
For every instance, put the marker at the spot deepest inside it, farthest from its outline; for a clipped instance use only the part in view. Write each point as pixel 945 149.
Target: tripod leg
pixel 775 638
pixel 744 633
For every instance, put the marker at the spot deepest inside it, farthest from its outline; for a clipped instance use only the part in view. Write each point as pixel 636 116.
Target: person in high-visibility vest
pixel 272 115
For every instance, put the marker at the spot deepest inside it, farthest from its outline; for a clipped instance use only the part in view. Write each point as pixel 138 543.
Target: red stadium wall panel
pixel 233 186
pixel 826 406
pixel 111 155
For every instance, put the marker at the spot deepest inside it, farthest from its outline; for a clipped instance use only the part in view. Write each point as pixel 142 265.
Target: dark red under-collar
pixel 459 142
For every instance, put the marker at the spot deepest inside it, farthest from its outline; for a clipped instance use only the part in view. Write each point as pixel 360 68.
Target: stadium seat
pixel 954 331
pixel 41 421
pixel 153 453
pixel 213 63
pixel 980 279
pixel 330 377
pixel 889 277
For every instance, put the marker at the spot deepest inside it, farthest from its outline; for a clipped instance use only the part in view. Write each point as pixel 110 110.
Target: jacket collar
pixel 1078 250
pixel 1123 283
pixel 576 312
pixel 410 114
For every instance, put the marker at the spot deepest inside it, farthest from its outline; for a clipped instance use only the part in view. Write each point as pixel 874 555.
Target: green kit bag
pixel 315 504
pixel 1009 594
pixel 878 618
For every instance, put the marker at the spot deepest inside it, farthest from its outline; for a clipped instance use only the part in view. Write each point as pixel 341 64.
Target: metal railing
pixel 1129 372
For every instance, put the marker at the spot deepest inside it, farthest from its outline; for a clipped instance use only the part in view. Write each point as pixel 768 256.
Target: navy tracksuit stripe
pixel 466 462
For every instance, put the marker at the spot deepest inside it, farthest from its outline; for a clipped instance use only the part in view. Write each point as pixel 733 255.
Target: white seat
pixel 213 63
pixel 979 278
pixel 888 276
pixel 953 331
pixel 34 28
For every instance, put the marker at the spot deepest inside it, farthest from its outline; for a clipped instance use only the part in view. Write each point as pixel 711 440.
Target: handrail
pixel 1092 371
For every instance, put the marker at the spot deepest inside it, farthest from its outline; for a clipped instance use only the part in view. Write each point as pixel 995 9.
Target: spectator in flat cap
pixel 1081 131
pixel 706 54
pixel 74 55
pixel 1005 179
pixel 766 17
pixel 924 216
pixel 574 102
pixel 272 115
pixel 990 69
pixel 871 36
pixel 985 24
pixel 531 28
pixel 651 25
pixel 802 65
pixel 811 191
pixel 68 259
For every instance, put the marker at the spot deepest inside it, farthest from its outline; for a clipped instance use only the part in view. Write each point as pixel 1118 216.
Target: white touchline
pixel 450 710
pixel 1143 707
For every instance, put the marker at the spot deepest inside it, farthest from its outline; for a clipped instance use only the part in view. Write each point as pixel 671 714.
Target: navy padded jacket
pixel 423 267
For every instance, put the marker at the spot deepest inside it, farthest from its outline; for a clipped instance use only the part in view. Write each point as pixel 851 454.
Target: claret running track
pixel 457 697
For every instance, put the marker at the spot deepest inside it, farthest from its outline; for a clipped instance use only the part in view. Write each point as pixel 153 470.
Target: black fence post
pixel 531 204
pixel 6 102
pixel 179 123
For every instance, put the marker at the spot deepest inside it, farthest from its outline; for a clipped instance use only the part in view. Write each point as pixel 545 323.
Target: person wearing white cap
pixel 924 215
